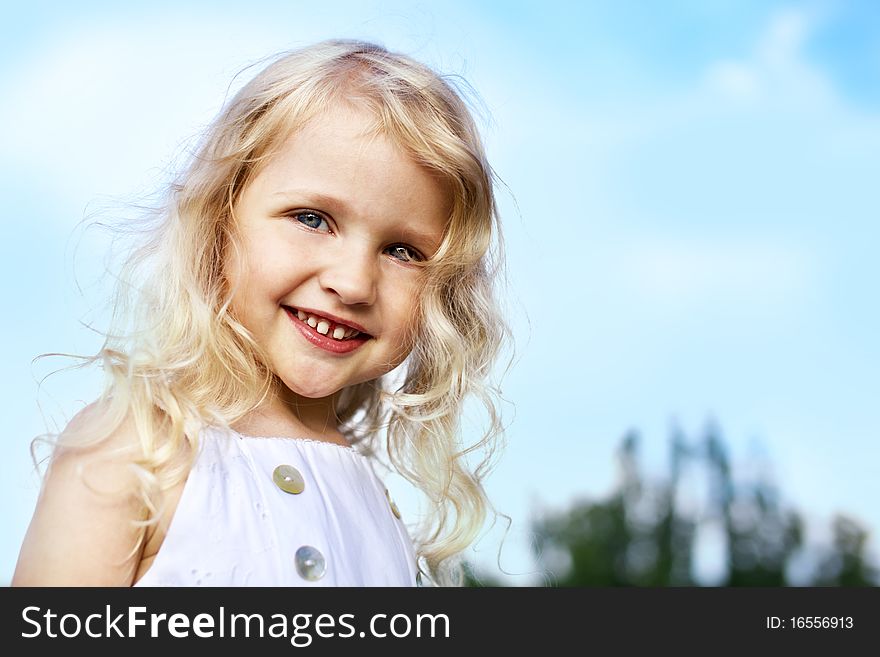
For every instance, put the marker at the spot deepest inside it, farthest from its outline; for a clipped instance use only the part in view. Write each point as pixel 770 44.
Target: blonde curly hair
pixel 178 360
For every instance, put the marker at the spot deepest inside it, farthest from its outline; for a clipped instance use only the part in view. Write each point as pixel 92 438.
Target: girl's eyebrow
pixel 332 203
pixel 423 241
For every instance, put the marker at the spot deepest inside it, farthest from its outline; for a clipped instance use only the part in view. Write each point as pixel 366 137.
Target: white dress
pixel 241 522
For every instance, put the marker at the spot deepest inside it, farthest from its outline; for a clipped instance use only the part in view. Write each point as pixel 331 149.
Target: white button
pixel 310 563
pixel 288 479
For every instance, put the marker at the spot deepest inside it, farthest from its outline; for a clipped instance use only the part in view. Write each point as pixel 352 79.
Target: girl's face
pixel 329 230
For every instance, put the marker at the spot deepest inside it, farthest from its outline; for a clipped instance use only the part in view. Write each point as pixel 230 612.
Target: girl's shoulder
pixel 82 531
pixel 95 448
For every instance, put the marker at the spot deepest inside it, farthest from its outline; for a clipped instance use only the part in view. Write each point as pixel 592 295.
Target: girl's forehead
pixel 349 140
pixel 341 124
pixel 360 121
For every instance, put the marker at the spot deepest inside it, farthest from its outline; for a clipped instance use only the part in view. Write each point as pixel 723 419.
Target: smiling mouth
pixel 327 327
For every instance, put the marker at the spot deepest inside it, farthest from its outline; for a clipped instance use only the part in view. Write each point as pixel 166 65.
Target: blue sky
pixel 689 210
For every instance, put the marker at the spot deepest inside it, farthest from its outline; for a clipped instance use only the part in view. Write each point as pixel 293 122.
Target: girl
pixel 335 223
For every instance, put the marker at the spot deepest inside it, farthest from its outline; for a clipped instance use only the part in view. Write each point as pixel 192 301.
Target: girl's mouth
pixel 325 333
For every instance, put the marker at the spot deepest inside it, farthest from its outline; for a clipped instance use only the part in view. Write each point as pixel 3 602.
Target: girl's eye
pixel 404 253
pixel 311 220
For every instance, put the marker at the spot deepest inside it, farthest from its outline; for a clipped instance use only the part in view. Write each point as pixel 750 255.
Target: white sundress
pixel 241 522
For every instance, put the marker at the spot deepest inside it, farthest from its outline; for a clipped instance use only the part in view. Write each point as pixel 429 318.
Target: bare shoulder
pixel 82 533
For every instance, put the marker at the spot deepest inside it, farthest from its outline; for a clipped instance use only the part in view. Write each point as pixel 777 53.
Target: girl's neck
pixel 293 416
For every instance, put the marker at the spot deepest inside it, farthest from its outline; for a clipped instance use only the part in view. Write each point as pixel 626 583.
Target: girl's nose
pixel 351 277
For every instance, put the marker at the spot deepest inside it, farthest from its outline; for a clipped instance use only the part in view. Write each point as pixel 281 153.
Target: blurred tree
pixel 846 564
pixel 761 537
pixel 638 536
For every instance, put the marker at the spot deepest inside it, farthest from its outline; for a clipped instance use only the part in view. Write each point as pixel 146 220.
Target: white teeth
pixel 322 326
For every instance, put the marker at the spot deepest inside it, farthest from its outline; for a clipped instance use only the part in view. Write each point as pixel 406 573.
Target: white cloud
pixel 784 38
pixel 776 72
pixel 700 271
pixel 104 104
pixel 759 163
pixel 734 79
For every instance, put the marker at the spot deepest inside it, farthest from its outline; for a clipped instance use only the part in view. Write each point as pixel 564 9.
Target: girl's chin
pixel 320 392
pixel 319 385
pixel 322 387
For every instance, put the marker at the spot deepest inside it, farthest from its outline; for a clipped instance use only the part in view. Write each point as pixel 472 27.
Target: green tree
pixel 638 537
pixel 846 563
pixel 635 538
pixel 761 536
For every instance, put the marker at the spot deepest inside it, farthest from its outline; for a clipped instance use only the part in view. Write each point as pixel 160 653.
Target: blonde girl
pixel 336 224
